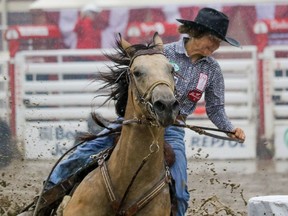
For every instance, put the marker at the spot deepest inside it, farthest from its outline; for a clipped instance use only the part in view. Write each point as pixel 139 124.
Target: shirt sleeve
pixel 215 101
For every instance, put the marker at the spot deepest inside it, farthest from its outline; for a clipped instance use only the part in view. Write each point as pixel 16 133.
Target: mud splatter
pixel 8 207
pixel 212 206
pixel 215 190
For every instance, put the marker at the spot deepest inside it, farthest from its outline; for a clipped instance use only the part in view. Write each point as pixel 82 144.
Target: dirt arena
pixel 216 187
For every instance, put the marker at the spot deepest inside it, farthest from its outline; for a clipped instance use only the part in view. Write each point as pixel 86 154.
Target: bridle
pixel 144 98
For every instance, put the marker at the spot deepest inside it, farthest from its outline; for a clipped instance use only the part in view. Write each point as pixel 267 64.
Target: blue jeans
pixel 81 156
pixel 175 137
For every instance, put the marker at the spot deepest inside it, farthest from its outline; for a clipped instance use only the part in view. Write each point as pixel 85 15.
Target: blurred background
pixel 50 51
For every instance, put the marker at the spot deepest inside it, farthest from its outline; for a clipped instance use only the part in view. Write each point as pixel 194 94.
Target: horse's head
pixel 151 82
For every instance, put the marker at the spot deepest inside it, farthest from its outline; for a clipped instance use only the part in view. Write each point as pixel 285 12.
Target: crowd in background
pixel 106 23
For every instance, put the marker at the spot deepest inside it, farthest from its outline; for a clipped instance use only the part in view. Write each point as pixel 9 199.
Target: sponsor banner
pixel 202 146
pixel 50 140
pixel 281 142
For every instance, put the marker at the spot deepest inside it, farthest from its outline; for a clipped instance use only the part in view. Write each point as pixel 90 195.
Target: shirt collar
pixel 180 46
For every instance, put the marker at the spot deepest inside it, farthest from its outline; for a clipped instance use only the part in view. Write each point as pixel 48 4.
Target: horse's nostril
pixel 158 105
pixel 162 105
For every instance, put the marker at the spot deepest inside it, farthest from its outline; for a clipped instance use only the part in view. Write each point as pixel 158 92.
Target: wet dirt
pixel 217 187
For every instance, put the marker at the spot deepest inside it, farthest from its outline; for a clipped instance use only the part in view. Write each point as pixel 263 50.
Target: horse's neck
pixel 135 144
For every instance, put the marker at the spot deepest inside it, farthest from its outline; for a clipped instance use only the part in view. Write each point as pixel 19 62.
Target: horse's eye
pixel 172 70
pixel 137 73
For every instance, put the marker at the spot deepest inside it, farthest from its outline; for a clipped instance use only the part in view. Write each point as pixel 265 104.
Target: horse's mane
pixel 116 80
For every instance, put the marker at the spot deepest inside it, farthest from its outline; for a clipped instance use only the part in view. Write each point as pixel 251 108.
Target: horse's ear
pixel 158 41
pixel 127 46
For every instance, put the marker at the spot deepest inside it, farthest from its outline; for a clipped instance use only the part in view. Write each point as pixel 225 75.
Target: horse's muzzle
pixel 166 111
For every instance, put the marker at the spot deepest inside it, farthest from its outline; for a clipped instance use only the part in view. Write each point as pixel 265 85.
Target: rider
pixel 198 73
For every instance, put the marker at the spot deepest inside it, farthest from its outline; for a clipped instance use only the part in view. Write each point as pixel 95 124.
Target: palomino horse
pixel 134 179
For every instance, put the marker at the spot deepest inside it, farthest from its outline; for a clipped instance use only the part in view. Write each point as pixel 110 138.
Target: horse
pixel 135 179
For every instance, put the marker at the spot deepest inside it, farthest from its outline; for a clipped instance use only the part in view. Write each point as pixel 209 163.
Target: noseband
pixel 145 98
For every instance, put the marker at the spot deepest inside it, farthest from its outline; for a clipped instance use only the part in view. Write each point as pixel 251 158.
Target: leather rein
pixel 198 129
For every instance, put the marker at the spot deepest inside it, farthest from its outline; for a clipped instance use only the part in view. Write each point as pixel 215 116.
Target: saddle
pixel 52 197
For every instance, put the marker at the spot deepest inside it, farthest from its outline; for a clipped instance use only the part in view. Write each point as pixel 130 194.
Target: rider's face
pixel 203 46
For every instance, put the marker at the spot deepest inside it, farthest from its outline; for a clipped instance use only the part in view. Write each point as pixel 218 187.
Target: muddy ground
pixel 216 187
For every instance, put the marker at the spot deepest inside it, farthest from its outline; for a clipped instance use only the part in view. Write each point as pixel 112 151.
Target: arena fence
pixel 275 71
pixel 55 96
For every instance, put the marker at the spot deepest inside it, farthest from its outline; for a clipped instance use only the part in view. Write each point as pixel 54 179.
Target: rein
pixel 202 131
pixel 198 129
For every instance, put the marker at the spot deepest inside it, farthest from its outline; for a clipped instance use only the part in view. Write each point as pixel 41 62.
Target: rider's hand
pixel 238 134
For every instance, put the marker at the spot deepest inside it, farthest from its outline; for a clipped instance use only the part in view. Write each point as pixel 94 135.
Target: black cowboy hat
pixel 213 21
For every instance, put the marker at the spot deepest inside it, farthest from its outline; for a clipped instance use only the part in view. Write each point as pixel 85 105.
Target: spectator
pixel 87 35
